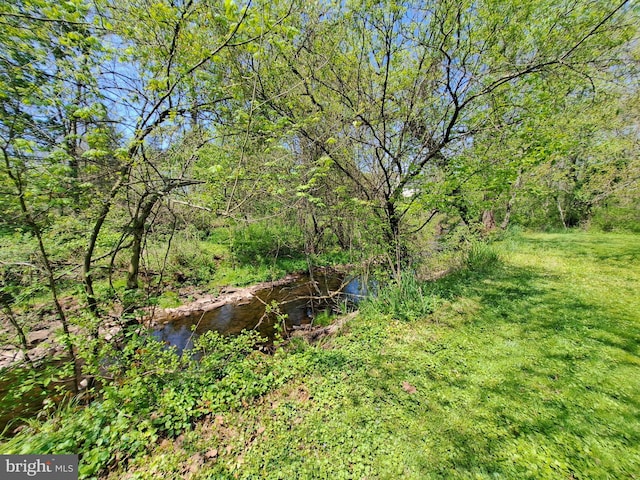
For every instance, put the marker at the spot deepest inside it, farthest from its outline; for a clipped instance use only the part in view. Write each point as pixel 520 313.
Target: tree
pixel 393 93
pixel 49 114
pixel 173 84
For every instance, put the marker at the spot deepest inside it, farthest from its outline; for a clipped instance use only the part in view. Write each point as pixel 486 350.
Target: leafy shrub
pixel 156 393
pixel 193 259
pixel 617 217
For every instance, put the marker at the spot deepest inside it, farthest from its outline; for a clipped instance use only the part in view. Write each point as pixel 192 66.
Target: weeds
pixel 482 256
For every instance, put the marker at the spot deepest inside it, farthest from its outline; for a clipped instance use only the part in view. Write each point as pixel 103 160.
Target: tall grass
pixel 410 299
pixel 405 299
pixel 481 257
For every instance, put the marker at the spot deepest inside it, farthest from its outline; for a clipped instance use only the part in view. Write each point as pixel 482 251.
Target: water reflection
pixel 299 302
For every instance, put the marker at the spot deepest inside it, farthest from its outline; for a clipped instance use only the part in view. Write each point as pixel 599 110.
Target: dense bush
pixel 617 217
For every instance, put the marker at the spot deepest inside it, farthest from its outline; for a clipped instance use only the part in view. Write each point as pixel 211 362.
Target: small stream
pixel 300 300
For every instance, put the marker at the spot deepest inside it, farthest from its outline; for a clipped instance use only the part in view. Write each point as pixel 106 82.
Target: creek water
pixel 298 303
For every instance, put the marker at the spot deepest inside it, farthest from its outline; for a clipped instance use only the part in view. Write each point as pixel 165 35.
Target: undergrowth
pixel 156 394
pixel 525 364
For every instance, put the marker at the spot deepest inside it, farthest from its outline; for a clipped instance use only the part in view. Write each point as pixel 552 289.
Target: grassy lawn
pixel 530 369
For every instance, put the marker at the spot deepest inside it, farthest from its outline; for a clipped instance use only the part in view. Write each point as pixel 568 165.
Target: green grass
pixel 530 369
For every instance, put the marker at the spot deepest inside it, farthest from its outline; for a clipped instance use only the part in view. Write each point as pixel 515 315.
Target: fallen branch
pixel 315 334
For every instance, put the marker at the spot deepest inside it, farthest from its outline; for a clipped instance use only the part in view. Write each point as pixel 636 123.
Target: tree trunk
pixel 138 232
pixel 396 248
pixel 97 227
pixel 488 220
pixel 561 211
pixel 136 251
pixel 511 201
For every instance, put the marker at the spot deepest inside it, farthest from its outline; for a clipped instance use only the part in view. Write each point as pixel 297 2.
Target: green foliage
pixel 156 393
pixel 194 260
pixel 511 372
pixel 261 138
pixel 261 242
pixel 17 252
pixel 168 299
pixel 324 318
pixel 482 257
pixel 27 391
pixel 617 216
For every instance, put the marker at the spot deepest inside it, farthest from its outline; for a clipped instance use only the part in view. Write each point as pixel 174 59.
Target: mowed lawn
pixel 528 369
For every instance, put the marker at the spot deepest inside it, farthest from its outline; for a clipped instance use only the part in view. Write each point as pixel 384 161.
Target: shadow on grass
pixel 536 382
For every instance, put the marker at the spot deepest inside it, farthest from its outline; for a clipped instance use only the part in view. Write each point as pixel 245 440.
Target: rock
pixel 213 453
